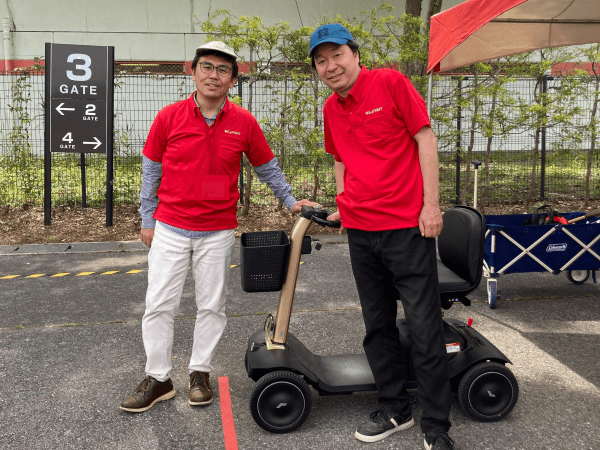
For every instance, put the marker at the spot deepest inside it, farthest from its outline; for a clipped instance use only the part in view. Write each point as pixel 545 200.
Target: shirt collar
pixel 357 91
pixel 200 110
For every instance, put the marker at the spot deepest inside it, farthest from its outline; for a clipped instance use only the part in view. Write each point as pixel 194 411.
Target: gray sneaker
pixel 382 424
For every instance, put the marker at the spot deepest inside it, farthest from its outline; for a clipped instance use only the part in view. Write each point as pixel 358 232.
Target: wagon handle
pixel 594 213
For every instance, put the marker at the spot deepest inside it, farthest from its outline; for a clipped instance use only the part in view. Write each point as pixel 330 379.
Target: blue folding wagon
pixel 512 247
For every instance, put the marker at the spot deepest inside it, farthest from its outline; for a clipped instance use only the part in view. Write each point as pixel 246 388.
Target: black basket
pixel 263 260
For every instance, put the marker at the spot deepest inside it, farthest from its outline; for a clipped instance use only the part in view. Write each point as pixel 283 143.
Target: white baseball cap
pixel 219 47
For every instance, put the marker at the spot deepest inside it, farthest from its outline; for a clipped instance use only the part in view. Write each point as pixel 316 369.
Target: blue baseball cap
pixel 331 32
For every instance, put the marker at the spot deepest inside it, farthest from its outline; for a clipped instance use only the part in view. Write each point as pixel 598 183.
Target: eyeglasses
pixel 222 69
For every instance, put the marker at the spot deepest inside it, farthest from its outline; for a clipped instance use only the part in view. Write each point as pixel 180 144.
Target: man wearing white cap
pixel 191 164
pixel 386 169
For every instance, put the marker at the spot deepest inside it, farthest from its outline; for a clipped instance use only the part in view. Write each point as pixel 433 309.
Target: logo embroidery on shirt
pixel 233 132
pixel 374 110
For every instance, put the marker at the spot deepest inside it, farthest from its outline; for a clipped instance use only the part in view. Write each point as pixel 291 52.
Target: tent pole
pixel 429 93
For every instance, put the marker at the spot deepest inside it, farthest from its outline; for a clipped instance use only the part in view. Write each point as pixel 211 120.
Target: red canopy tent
pixel 480 30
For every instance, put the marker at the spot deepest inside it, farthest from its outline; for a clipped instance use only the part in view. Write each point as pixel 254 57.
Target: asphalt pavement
pixel 71 351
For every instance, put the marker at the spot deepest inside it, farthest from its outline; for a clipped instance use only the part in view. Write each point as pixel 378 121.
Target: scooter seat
pixel 460 248
pixel 450 281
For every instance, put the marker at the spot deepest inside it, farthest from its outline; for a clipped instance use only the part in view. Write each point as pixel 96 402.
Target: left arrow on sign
pixel 60 109
pixel 97 143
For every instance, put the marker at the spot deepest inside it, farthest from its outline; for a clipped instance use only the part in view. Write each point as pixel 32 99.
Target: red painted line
pixel 227 415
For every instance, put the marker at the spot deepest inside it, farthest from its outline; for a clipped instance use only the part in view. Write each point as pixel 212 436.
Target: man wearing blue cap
pixel 386 167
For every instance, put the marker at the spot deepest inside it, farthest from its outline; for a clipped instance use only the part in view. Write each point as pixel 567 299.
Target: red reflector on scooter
pixel 469 322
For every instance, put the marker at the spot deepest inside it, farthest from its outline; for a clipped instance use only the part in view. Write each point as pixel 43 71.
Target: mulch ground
pixel 75 224
pixel 25 225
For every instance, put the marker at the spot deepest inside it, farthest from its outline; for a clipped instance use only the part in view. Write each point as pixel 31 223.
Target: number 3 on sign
pixel 87 61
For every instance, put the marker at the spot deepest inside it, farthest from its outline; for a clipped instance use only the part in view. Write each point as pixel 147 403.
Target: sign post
pixel 79 110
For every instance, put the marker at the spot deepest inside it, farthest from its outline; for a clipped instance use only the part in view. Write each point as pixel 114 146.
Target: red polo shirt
pixel 371 131
pixel 201 164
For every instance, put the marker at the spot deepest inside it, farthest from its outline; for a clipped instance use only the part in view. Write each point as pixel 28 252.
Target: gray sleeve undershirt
pixel 270 174
pixel 151 176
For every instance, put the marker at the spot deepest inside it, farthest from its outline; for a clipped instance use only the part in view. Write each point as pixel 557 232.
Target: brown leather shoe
pixel 200 392
pixel 147 394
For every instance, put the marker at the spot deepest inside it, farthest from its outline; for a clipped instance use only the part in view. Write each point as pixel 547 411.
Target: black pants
pixel 384 263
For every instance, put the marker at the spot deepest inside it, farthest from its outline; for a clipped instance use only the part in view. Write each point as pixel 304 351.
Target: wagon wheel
pixel 492 291
pixel 578 276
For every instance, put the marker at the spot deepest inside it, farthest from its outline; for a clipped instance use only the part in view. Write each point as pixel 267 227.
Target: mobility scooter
pixel 283 368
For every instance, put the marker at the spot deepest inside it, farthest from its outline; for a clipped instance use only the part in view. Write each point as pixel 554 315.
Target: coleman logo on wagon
pixel 556 248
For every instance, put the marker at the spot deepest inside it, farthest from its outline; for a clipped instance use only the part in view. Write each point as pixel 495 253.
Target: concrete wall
pixel 152 30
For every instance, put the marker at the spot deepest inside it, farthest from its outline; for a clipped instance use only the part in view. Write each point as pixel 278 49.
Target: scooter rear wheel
pixel 280 401
pixel 488 391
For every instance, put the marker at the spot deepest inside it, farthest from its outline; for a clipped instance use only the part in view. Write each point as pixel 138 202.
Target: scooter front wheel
pixel 280 401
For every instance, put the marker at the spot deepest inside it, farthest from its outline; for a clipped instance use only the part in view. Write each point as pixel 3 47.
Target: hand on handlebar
pixel 304 202
pixel 336 217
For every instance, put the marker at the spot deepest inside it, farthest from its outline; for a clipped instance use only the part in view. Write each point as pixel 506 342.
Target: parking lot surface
pixel 71 351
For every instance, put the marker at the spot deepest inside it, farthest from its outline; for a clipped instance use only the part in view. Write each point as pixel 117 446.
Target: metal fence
pixel 511 157
pixel 559 164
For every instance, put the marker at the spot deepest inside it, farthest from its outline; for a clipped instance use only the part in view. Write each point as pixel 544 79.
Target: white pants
pixel 168 263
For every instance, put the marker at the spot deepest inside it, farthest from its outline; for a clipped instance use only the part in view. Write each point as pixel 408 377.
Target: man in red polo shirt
pixel 386 168
pixel 191 164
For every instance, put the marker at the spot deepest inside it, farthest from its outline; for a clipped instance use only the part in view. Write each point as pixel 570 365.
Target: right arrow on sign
pixel 97 143
pixel 60 109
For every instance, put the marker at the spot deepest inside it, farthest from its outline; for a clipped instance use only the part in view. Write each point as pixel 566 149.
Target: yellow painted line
pixel 64 274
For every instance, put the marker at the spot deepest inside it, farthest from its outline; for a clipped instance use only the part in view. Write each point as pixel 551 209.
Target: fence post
pixel 543 161
pixel 458 128
pixel 240 95
pixel 82 163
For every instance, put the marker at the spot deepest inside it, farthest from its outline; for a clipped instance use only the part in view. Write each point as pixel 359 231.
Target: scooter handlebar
pixel 327 223
pixel 319 215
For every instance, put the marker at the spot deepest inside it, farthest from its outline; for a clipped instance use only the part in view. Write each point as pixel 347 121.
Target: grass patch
pixel 22 177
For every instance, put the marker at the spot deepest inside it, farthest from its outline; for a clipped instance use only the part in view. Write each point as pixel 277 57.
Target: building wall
pixel 150 30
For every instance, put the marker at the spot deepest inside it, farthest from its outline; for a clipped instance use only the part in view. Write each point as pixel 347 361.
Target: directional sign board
pixel 80 97
pixel 79 111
